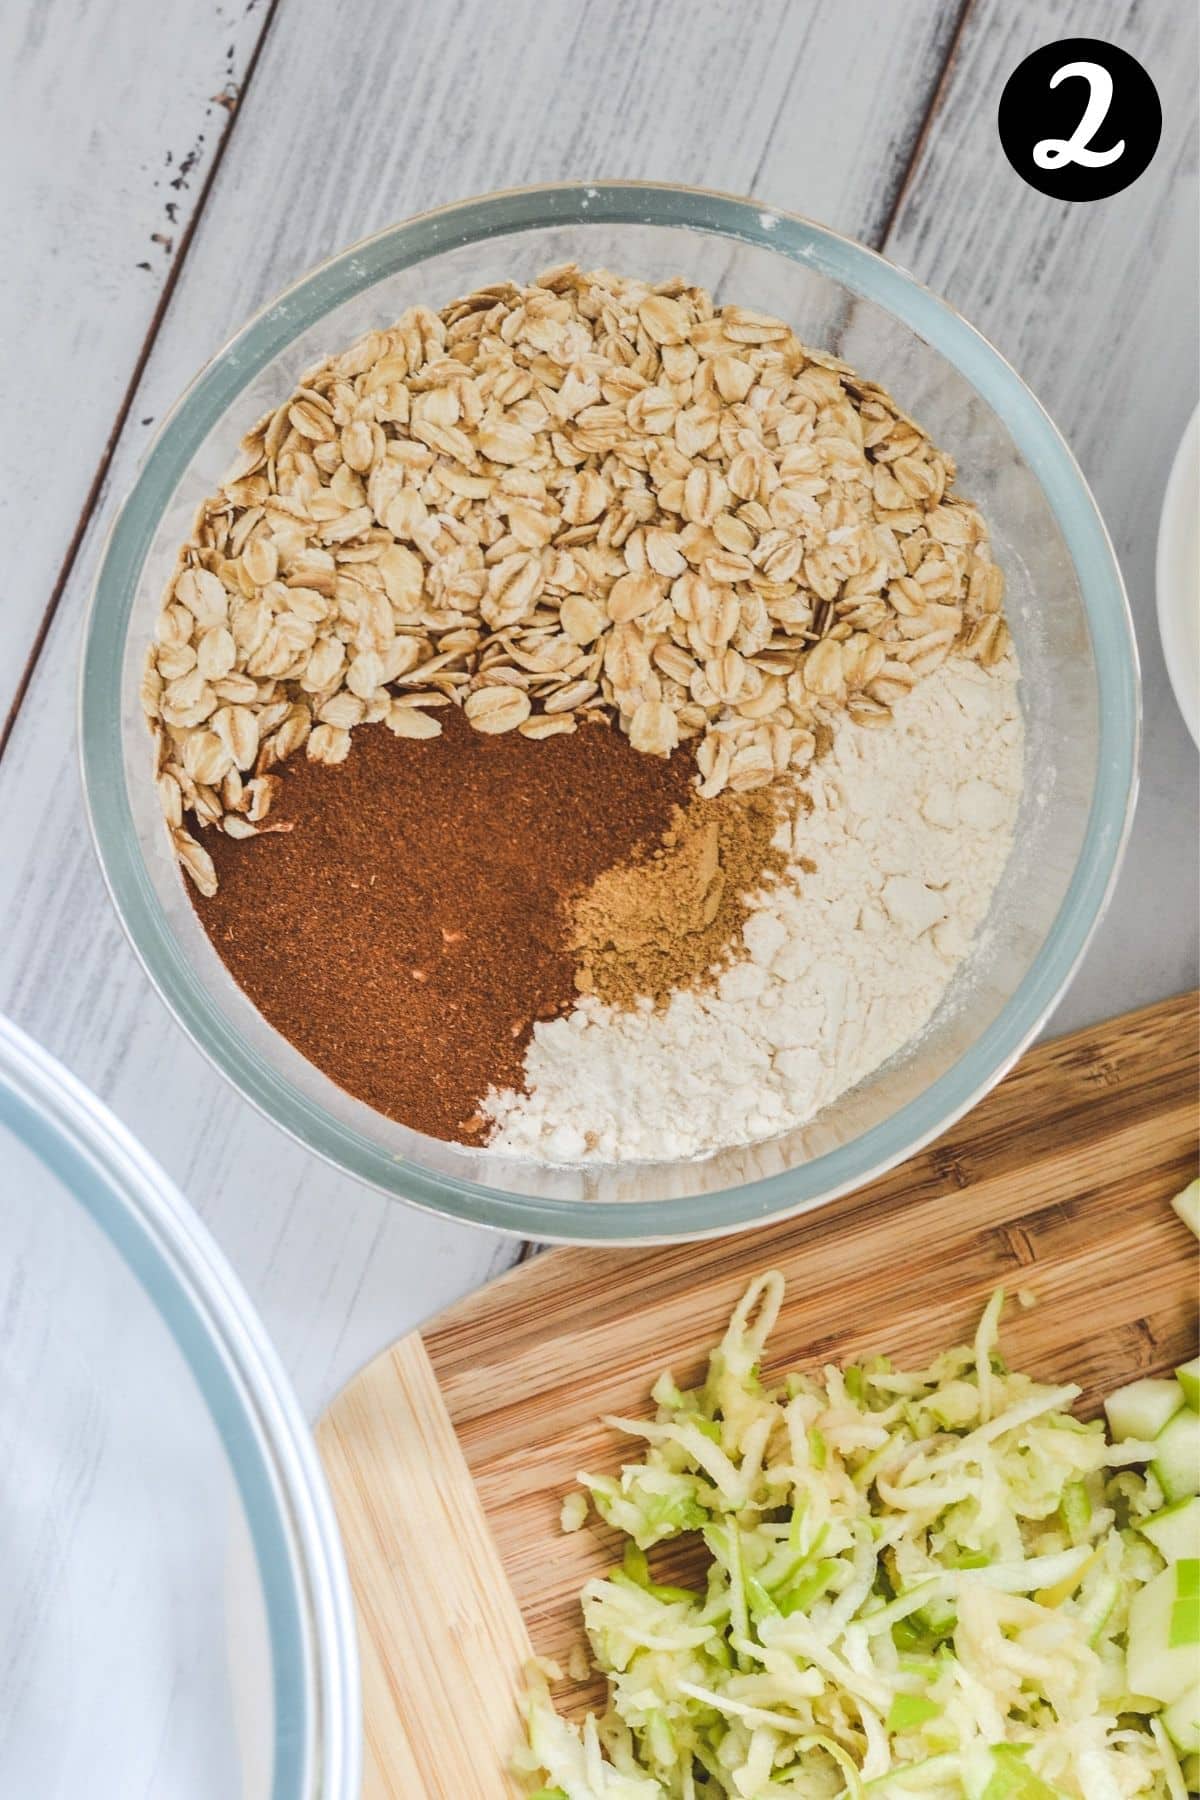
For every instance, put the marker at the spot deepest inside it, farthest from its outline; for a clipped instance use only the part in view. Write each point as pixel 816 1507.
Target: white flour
pixel 909 830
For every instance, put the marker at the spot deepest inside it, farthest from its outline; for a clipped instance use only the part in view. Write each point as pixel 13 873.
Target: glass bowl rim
pixel 289 1512
pixel 860 270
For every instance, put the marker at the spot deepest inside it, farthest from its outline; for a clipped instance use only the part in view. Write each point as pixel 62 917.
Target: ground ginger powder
pixel 666 917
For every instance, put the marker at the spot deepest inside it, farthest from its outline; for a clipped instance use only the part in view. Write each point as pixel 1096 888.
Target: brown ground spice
pixel 662 919
pixel 411 927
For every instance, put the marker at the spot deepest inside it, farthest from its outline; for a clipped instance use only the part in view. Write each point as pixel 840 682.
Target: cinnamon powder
pixel 410 928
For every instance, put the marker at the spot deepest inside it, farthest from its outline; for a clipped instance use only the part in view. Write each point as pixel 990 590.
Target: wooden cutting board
pixel 449 1454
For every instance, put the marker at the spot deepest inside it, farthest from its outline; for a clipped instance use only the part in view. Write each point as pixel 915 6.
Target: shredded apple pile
pixel 917 1583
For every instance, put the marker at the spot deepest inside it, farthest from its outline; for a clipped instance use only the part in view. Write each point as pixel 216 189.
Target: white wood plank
pixel 481 97
pixel 110 117
pixel 341 132
pixel 1095 305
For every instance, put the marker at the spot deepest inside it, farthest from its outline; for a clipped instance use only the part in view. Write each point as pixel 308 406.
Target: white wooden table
pixel 169 164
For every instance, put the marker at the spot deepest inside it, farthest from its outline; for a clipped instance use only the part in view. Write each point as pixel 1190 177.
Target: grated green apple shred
pixel 917 1583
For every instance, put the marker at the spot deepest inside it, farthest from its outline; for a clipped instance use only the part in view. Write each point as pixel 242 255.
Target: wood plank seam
pixel 938 95
pixel 96 488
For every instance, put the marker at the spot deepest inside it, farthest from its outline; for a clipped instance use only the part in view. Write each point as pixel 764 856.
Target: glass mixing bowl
pixel 175 1614
pixel 1068 612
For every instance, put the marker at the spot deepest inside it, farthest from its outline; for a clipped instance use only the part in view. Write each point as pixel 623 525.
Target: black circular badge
pixel 1079 119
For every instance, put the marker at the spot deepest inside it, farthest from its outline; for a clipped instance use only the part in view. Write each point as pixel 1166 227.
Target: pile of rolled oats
pixel 588 498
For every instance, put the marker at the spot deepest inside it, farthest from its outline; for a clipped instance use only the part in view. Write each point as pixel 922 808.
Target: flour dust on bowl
pixel 800 738
pixel 175 1612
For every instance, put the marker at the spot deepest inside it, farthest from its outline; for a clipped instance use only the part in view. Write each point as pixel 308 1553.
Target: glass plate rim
pixel 288 1509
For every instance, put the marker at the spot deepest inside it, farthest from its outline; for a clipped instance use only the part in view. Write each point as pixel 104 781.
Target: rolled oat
pixel 590 497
